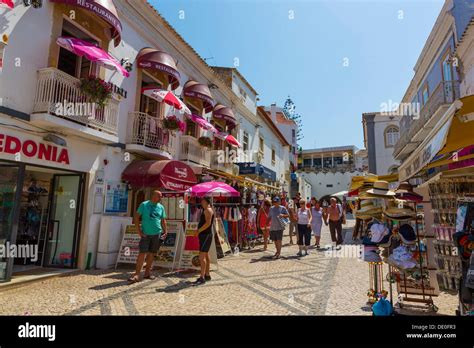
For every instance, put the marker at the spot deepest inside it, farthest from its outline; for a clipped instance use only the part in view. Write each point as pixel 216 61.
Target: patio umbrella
pixel 229 138
pixel 168 97
pixel 7 3
pixel 203 123
pixel 213 189
pixel 92 52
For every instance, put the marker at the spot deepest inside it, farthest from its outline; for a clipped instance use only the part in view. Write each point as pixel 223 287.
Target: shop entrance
pixel 40 210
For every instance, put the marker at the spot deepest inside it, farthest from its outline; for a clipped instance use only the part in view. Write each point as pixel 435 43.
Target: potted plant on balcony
pixel 171 123
pixel 96 89
pixel 205 141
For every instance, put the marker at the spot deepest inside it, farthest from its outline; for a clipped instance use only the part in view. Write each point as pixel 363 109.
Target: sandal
pixel 150 277
pixel 134 279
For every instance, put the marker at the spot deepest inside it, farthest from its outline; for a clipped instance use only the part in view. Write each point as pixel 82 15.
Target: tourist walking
pixel 304 228
pixel 278 214
pixel 263 221
pixel 150 222
pixel 335 216
pixel 317 216
pixel 205 236
pixel 292 207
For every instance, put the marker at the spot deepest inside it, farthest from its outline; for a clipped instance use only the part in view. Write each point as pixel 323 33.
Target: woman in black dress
pixel 205 236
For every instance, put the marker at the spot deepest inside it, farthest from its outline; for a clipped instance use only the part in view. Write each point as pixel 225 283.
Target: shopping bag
pixel 382 307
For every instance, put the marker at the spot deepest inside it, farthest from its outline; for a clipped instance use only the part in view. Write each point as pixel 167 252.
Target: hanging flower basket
pixel 205 141
pixel 96 89
pixel 171 123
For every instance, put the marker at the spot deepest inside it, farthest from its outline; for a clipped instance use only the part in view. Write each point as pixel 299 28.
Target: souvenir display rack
pixel 444 195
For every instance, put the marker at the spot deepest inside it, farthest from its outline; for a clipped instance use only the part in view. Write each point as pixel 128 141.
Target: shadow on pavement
pixel 176 287
pixel 262 259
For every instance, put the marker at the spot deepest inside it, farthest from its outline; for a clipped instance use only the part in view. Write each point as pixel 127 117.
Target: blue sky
pixel 336 59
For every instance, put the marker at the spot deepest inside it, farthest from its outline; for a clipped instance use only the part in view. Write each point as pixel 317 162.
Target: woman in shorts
pixel 205 236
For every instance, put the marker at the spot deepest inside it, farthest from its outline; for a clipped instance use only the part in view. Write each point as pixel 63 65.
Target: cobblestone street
pixel 248 283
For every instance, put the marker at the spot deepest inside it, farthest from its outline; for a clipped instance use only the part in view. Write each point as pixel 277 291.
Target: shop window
pixel 425 94
pixel 327 162
pixel 391 136
pixel 245 141
pixel 317 162
pixel 307 162
pixel 338 160
pixel 149 105
pixel 192 128
pixel 79 67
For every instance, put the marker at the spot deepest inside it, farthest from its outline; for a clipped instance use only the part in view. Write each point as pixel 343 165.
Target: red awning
pixel 162 61
pixel 170 175
pixel 225 113
pixel 105 9
pixel 192 89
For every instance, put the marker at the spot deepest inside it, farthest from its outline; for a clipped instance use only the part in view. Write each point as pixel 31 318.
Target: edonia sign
pixel 33 149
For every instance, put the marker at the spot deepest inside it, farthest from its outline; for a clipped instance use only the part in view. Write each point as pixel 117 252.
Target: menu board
pixel 190 253
pixel 116 197
pixel 128 252
pixel 167 253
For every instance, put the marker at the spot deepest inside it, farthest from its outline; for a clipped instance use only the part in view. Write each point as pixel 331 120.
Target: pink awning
pixel 90 51
pixel 149 58
pixel 203 123
pixel 213 189
pixel 105 9
pixel 168 97
pixel 228 138
pixel 225 113
pixel 7 3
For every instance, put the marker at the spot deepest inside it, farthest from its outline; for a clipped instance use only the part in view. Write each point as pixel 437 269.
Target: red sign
pixel 32 149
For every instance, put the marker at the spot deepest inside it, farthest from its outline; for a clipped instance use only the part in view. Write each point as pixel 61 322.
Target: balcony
pixel 438 103
pixel 334 168
pixel 146 136
pixel 192 151
pixel 60 105
pixel 221 163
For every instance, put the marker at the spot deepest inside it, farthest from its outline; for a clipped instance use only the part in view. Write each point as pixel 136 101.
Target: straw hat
pixel 405 192
pixel 400 211
pixel 381 189
pixel 367 210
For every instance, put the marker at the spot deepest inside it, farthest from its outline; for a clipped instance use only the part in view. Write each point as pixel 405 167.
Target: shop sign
pixel 12 145
pixel 423 156
pixel 116 198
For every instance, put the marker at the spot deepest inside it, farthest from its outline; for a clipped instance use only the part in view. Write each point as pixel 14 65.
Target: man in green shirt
pixel 152 231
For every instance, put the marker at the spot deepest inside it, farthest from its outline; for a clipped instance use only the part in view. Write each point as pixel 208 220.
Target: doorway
pixel 40 210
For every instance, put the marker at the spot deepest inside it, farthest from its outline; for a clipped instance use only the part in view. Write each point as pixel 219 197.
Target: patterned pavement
pixel 249 283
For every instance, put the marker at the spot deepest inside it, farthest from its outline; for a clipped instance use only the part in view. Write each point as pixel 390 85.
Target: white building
pixel 381 133
pixel 329 170
pixel 72 161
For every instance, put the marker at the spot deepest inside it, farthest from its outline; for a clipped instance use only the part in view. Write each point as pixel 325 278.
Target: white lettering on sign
pixel 32 149
pixel 182 172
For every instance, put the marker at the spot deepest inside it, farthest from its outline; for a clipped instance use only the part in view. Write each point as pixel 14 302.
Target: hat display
pixel 386 241
pixel 378 232
pixel 371 254
pixel 400 211
pixel 381 189
pixel 367 210
pixel 402 258
pixel 405 192
pixel 407 234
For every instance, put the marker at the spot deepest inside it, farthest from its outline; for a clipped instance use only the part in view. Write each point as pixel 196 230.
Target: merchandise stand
pixel 375 281
pixel 406 291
